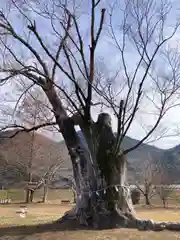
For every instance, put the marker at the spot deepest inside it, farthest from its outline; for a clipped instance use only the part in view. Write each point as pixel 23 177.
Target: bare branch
pixel 24 129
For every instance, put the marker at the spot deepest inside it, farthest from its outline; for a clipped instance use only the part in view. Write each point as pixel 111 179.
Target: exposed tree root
pixel 103 197
pixel 116 219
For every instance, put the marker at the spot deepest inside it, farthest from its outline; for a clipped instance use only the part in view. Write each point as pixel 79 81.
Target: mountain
pixel 171 161
pixel 16 152
pixel 137 158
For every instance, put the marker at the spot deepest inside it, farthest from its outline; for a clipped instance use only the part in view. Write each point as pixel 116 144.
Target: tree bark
pixel 31 195
pixel 45 193
pixel 147 199
pixel 66 126
pixel 165 202
pixel 27 196
pixel 74 195
pixel 103 199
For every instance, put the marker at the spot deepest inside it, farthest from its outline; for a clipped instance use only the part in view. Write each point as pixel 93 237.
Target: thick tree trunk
pixel 103 199
pixel 66 126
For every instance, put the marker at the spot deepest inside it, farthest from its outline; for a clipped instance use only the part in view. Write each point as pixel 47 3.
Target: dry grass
pixel 122 234
pixel 12 225
pixel 38 213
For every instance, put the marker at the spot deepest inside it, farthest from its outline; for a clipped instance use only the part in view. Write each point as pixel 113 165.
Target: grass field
pixel 13 227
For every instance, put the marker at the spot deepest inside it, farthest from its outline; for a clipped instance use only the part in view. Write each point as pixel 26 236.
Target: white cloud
pixel 113 60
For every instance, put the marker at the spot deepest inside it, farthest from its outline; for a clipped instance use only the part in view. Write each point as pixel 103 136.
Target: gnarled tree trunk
pixel 103 199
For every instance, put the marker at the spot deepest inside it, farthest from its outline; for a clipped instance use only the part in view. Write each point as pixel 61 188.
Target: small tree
pixel 48 179
pixel 145 184
pixel 163 192
pixel 18 157
pixel 45 181
pixel 32 112
pixel 163 186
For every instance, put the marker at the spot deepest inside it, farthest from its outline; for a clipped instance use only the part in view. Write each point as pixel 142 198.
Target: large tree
pixel 56 46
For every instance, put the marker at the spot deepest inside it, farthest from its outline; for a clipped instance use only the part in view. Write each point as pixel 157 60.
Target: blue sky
pixel 112 60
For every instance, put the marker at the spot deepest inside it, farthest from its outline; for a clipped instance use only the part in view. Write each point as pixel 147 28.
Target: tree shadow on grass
pixel 61 226
pixel 70 225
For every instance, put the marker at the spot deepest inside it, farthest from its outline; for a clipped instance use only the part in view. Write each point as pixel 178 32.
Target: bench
pixel 22 210
pixel 65 201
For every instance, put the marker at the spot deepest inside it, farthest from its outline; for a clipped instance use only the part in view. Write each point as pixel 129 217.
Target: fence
pixel 61 195
pixel 19 195
pixel 5 201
